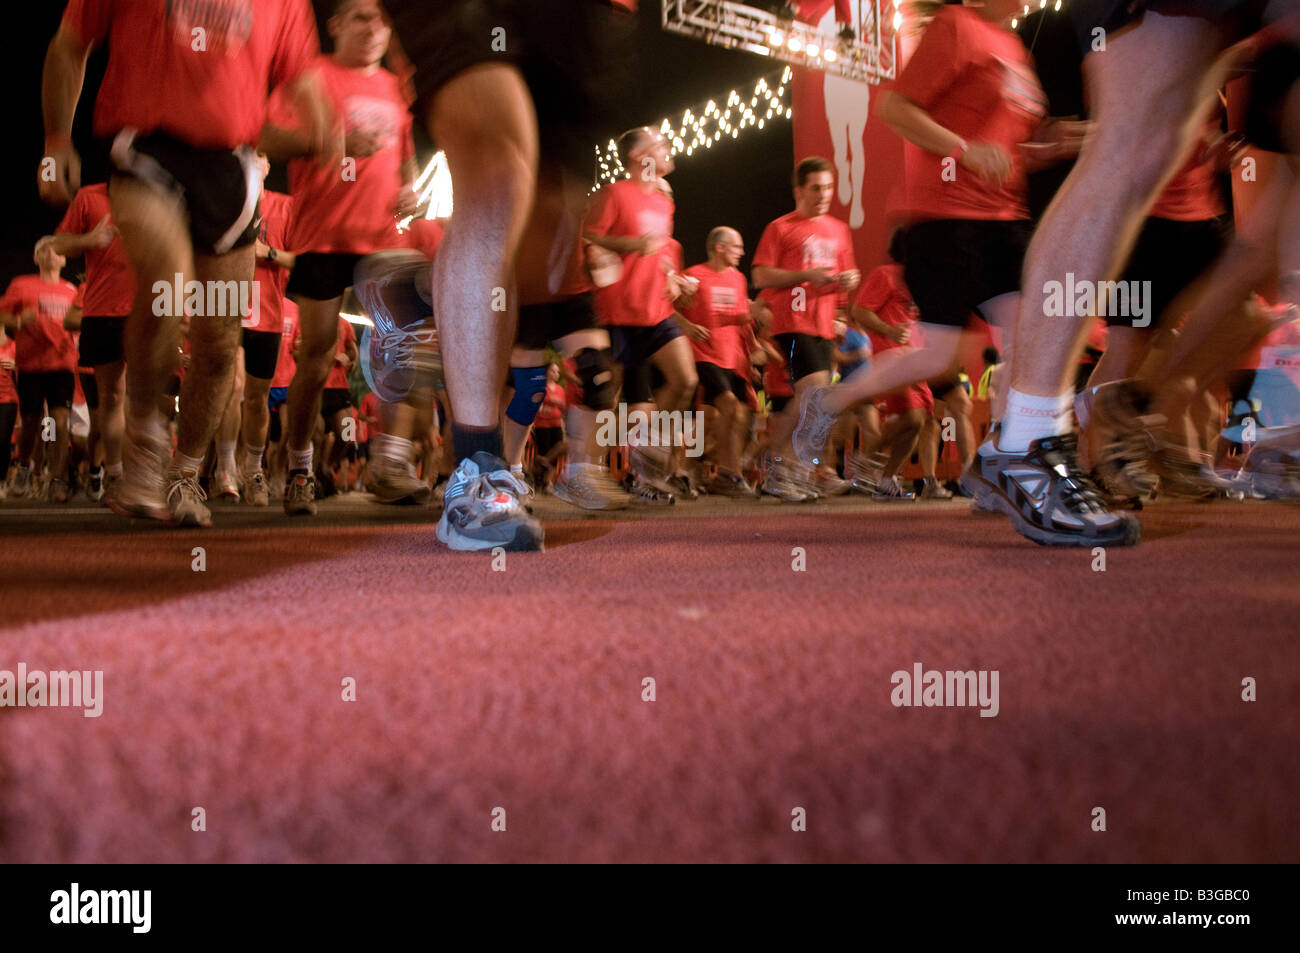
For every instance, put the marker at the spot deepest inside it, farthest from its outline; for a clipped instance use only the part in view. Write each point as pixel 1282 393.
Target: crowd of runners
pixel 233 342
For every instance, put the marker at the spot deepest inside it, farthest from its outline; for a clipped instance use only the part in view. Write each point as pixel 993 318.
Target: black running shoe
pixel 1048 497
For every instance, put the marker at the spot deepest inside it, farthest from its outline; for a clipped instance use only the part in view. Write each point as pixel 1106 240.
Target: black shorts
pixel 953 265
pixel 575 55
pixel 779 403
pixel 90 388
pixel 542 324
pixel 1242 17
pixel 941 387
pixel 1170 255
pixel 546 438
pixel 37 389
pixel 718 380
pixel 101 341
pixel 219 188
pixel 805 354
pixel 322 276
pixel 1275 71
pixel 334 399
pixel 633 347
pixel 261 352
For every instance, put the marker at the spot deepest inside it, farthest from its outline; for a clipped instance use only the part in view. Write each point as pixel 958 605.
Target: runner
pixel 33 309
pixel 183 196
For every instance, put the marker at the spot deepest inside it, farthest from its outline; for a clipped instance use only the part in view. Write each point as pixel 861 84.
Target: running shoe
pixel 1124 435
pixel 643 492
pixel 730 484
pixel 864 473
pixel 141 490
pixel 300 494
pixel 779 482
pixel 934 490
pixel 482 509
pixel 590 487
pixel 95 485
pixel 682 485
pixel 394 351
pixel 224 484
pixel 814 426
pixel 185 499
pixel 829 484
pixel 22 482
pixel 1049 499
pixel 891 490
pixel 395 482
pixel 1271 470
pixel 58 490
pixel 256 492
pixel 651 465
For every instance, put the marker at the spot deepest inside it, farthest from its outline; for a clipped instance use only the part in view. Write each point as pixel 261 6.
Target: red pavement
pixel 522 689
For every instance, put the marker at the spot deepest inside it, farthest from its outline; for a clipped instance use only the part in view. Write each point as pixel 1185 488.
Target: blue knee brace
pixel 530 389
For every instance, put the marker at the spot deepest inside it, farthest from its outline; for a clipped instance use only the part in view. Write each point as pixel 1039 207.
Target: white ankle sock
pixel 1029 418
pixel 182 462
pixel 113 469
pixel 253 459
pixel 226 455
pixel 389 447
pixel 301 459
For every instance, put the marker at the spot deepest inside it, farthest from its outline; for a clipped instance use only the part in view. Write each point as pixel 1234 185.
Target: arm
pixel 914 124
pixel 277 256
pixel 765 276
pixel 625 244
pixel 72 320
pixel 870 321
pixel 61 82
pixel 71 245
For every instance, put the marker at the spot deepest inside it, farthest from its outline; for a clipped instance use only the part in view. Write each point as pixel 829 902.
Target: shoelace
pixel 402 343
pixel 187 485
pixel 1079 492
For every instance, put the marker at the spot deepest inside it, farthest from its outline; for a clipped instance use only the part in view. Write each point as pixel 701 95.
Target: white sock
pixel 389 447
pixel 1029 418
pixel 300 459
pixel 253 459
pixel 192 464
pixel 113 469
pixel 517 469
pixel 226 455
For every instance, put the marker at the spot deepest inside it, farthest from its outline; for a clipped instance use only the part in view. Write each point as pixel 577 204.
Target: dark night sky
pixel 744 183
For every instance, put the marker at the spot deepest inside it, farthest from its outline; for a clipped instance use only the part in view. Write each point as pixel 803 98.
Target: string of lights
pixel 701 127
pixel 1042 5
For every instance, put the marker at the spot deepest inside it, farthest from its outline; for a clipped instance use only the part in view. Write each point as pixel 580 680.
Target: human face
pixel 732 249
pixel 813 198
pixel 654 146
pixel 361 34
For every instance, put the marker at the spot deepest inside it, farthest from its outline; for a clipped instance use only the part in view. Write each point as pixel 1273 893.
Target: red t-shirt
pixel 425 235
pixel 8 393
pixel 776 379
pixel 722 306
pixel 794 243
pixel 338 376
pixel 284 364
pixel 198 70
pixel 551 413
pixel 271 279
pixel 625 210
pixel 884 293
pixel 370 407
pixel 350 208
pixel 1192 195
pixel 977 80
pixel 109 288
pixel 42 345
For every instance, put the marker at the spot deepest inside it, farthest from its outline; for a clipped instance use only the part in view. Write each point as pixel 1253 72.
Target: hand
pixel 696 332
pixel 849 280
pixel 819 277
pixel 326 136
pixel 360 143
pixel 102 235
pixel 899 335
pixel 7 364
pixel 409 204
pixel 261 250
pixel 988 162
pixel 67 175
pixel 28 317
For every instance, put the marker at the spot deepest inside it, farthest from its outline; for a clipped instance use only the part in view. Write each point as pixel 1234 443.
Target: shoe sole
pixel 990 500
pixel 464 544
pixel 414 498
pixel 160 515
pixel 560 493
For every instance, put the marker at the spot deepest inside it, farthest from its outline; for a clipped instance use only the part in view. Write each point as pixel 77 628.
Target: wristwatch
pixel 271 254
